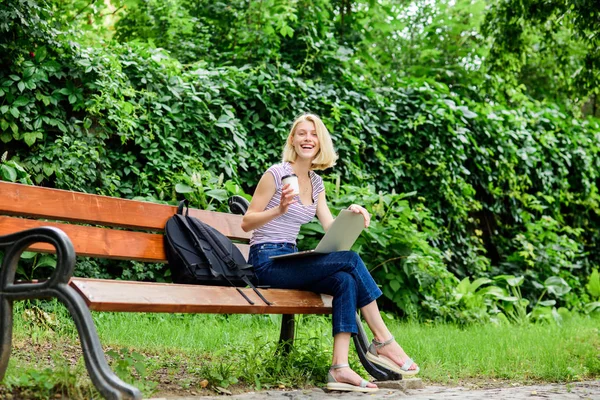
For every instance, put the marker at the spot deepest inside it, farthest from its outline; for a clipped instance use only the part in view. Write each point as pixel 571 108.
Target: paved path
pixel 579 390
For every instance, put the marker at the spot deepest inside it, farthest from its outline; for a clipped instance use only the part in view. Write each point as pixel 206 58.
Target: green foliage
pixel 12 171
pixel 593 288
pixel 237 32
pixel 62 380
pixel 306 364
pixel 40 382
pixel 195 100
pixel 515 307
pixel 31 262
pixel 551 48
pixel 131 367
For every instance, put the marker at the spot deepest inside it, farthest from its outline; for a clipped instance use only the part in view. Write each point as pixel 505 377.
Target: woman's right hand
pixel 257 214
pixel 287 198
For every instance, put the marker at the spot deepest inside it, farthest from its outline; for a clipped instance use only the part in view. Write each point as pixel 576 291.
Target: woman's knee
pixel 354 260
pixel 346 282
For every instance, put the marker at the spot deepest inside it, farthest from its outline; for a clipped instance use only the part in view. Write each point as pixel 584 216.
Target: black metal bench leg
pixel 109 385
pixel 6 325
pixel 361 342
pixel 102 376
pixel 286 336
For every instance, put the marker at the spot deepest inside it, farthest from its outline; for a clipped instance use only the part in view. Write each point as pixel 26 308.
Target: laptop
pixel 342 234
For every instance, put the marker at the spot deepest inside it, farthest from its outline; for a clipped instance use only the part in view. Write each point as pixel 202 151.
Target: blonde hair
pixel 326 157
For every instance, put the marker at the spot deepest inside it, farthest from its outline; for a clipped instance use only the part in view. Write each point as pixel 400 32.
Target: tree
pixel 552 47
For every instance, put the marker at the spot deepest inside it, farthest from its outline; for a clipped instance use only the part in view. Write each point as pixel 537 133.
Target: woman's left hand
pixel 361 210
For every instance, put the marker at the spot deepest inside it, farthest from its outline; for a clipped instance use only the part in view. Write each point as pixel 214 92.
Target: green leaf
pixel 511 279
pixel 4 109
pixel 128 107
pixel 140 368
pixel 557 286
pixel 28 255
pixel 48 169
pixel 593 285
pixel 498 293
pixel 8 173
pixel 239 141
pixel 395 285
pixel 31 137
pixel 592 307
pixel 286 30
pixel 6 137
pixel 466 112
pixel 14 77
pixel 21 86
pixel 183 188
pixel 41 53
pixel 46 261
pixel 478 282
pixel 463 286
pixel 15 112
pixel 226 125
pixel 61 126
pixel 451 104
pixel 224 121
pixel 113 354
pixel 20 101
pixel 217 194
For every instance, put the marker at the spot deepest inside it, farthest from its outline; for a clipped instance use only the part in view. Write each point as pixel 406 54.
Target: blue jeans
pixel 341 274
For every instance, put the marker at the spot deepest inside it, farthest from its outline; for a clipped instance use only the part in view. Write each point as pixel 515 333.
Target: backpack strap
pixel 183 203
pixel 247 282
pixel 215 244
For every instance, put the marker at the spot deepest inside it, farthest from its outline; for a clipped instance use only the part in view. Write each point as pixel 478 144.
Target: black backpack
pixel 199 254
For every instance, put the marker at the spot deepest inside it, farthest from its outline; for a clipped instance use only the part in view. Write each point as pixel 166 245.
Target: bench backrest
pixel 122 229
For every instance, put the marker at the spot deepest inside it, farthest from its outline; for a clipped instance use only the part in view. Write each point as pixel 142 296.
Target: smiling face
pixel 309 139
pixel 305 140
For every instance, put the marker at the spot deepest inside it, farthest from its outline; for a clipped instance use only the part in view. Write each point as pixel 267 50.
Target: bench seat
pixel 130 296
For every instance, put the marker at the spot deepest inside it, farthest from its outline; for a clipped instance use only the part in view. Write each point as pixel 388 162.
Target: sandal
pixel 386 362
pixel 333 384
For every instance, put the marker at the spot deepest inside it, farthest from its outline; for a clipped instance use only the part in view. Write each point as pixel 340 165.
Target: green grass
pixel 240 352
pixel 547 352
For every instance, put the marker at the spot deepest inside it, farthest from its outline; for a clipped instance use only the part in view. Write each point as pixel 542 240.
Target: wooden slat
pixel 100 242
pixel 39 202
pixel 107 295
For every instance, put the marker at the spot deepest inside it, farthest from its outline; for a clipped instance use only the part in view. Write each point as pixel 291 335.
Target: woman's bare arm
pixel 323 212
pixel 257 216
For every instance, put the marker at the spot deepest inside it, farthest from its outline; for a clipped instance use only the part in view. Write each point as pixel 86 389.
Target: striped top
pixel 285 228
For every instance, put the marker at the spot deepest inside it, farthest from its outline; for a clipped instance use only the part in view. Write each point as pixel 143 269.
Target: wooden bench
pixel 50 220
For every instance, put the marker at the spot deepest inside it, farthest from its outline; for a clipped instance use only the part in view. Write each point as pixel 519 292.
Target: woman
pixel 276 214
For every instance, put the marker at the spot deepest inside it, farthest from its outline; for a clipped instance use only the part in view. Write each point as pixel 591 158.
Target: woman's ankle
pixel 379 343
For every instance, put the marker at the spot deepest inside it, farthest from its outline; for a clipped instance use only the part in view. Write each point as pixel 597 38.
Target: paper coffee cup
pixel 293 181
